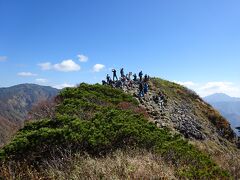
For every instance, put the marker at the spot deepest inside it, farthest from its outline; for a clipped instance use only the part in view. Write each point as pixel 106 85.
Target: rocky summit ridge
pixel 181 113
pixel 172 114
pixel 184 112
pixel 184 130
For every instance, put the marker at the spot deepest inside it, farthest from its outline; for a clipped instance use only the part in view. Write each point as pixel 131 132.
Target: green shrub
pixel 107 129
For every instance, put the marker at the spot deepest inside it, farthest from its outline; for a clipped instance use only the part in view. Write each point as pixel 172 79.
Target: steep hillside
pixel 6 129
pixel 184 112
pixel 228 106
pixel 15 103
pixel 198 121
pixel 234 119
pixel 93 124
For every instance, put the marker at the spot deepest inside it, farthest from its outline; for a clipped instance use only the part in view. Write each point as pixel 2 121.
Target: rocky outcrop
pixel 173 115
pixel 187 114
pixel 177 113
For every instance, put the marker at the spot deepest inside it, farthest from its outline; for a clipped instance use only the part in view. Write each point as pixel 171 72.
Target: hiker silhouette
pixel 114 75
pixel 135 77
pixel 108 78
pixel 122 72
pixel 140 75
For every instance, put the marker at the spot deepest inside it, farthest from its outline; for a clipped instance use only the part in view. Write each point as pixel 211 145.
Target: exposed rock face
pixel 177 116
pixel 187 124
pixel 186 113
pixel 183 112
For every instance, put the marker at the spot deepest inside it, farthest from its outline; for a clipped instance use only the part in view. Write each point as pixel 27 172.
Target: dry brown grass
pixel 226 157
pixel 130 106
pixel 119 165
pixel 14 170
pixel 130 164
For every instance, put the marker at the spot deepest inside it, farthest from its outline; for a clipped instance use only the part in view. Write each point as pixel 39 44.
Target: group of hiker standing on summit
pixel 128 80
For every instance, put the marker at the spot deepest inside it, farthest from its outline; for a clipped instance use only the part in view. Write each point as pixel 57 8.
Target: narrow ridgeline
pixel 182 111
pixel 185 113
pixel 183 138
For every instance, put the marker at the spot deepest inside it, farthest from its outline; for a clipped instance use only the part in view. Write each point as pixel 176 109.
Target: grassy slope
pixel 90 119
pixel 217 128
pixel 204 111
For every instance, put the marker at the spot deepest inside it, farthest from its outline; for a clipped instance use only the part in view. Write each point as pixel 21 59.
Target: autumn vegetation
pixel 95 131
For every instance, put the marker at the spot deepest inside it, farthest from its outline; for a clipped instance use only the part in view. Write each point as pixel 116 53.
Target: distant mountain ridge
pixel 15 103
pixel 228 106
pixel 221 97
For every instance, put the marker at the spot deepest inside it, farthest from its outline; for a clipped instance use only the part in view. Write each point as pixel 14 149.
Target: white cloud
pixel 208 88
pixel 82 58
pixel 3 58
pixel 45 66
pixel 64 85
pixel 219 87
pixel 26 74
pixel 41 80
pixel 65 66
pixel 98 67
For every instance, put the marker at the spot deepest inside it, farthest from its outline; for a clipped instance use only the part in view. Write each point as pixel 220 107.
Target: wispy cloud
pixel 64 66
pixel 64 85
pixel 26 74
pixel 3 58
pixel 41 80
pixel 98 67
pixel 219 87
pixel 82 58
pixel 208 88
pixel 45 66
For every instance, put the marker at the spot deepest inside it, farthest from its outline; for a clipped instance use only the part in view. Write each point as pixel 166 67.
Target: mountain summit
pixel 93 125
pixel 220 97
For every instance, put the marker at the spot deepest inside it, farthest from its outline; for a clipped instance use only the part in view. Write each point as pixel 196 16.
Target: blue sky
pixel 195 43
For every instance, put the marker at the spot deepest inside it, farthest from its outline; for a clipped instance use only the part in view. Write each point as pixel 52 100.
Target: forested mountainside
pixel 15 103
